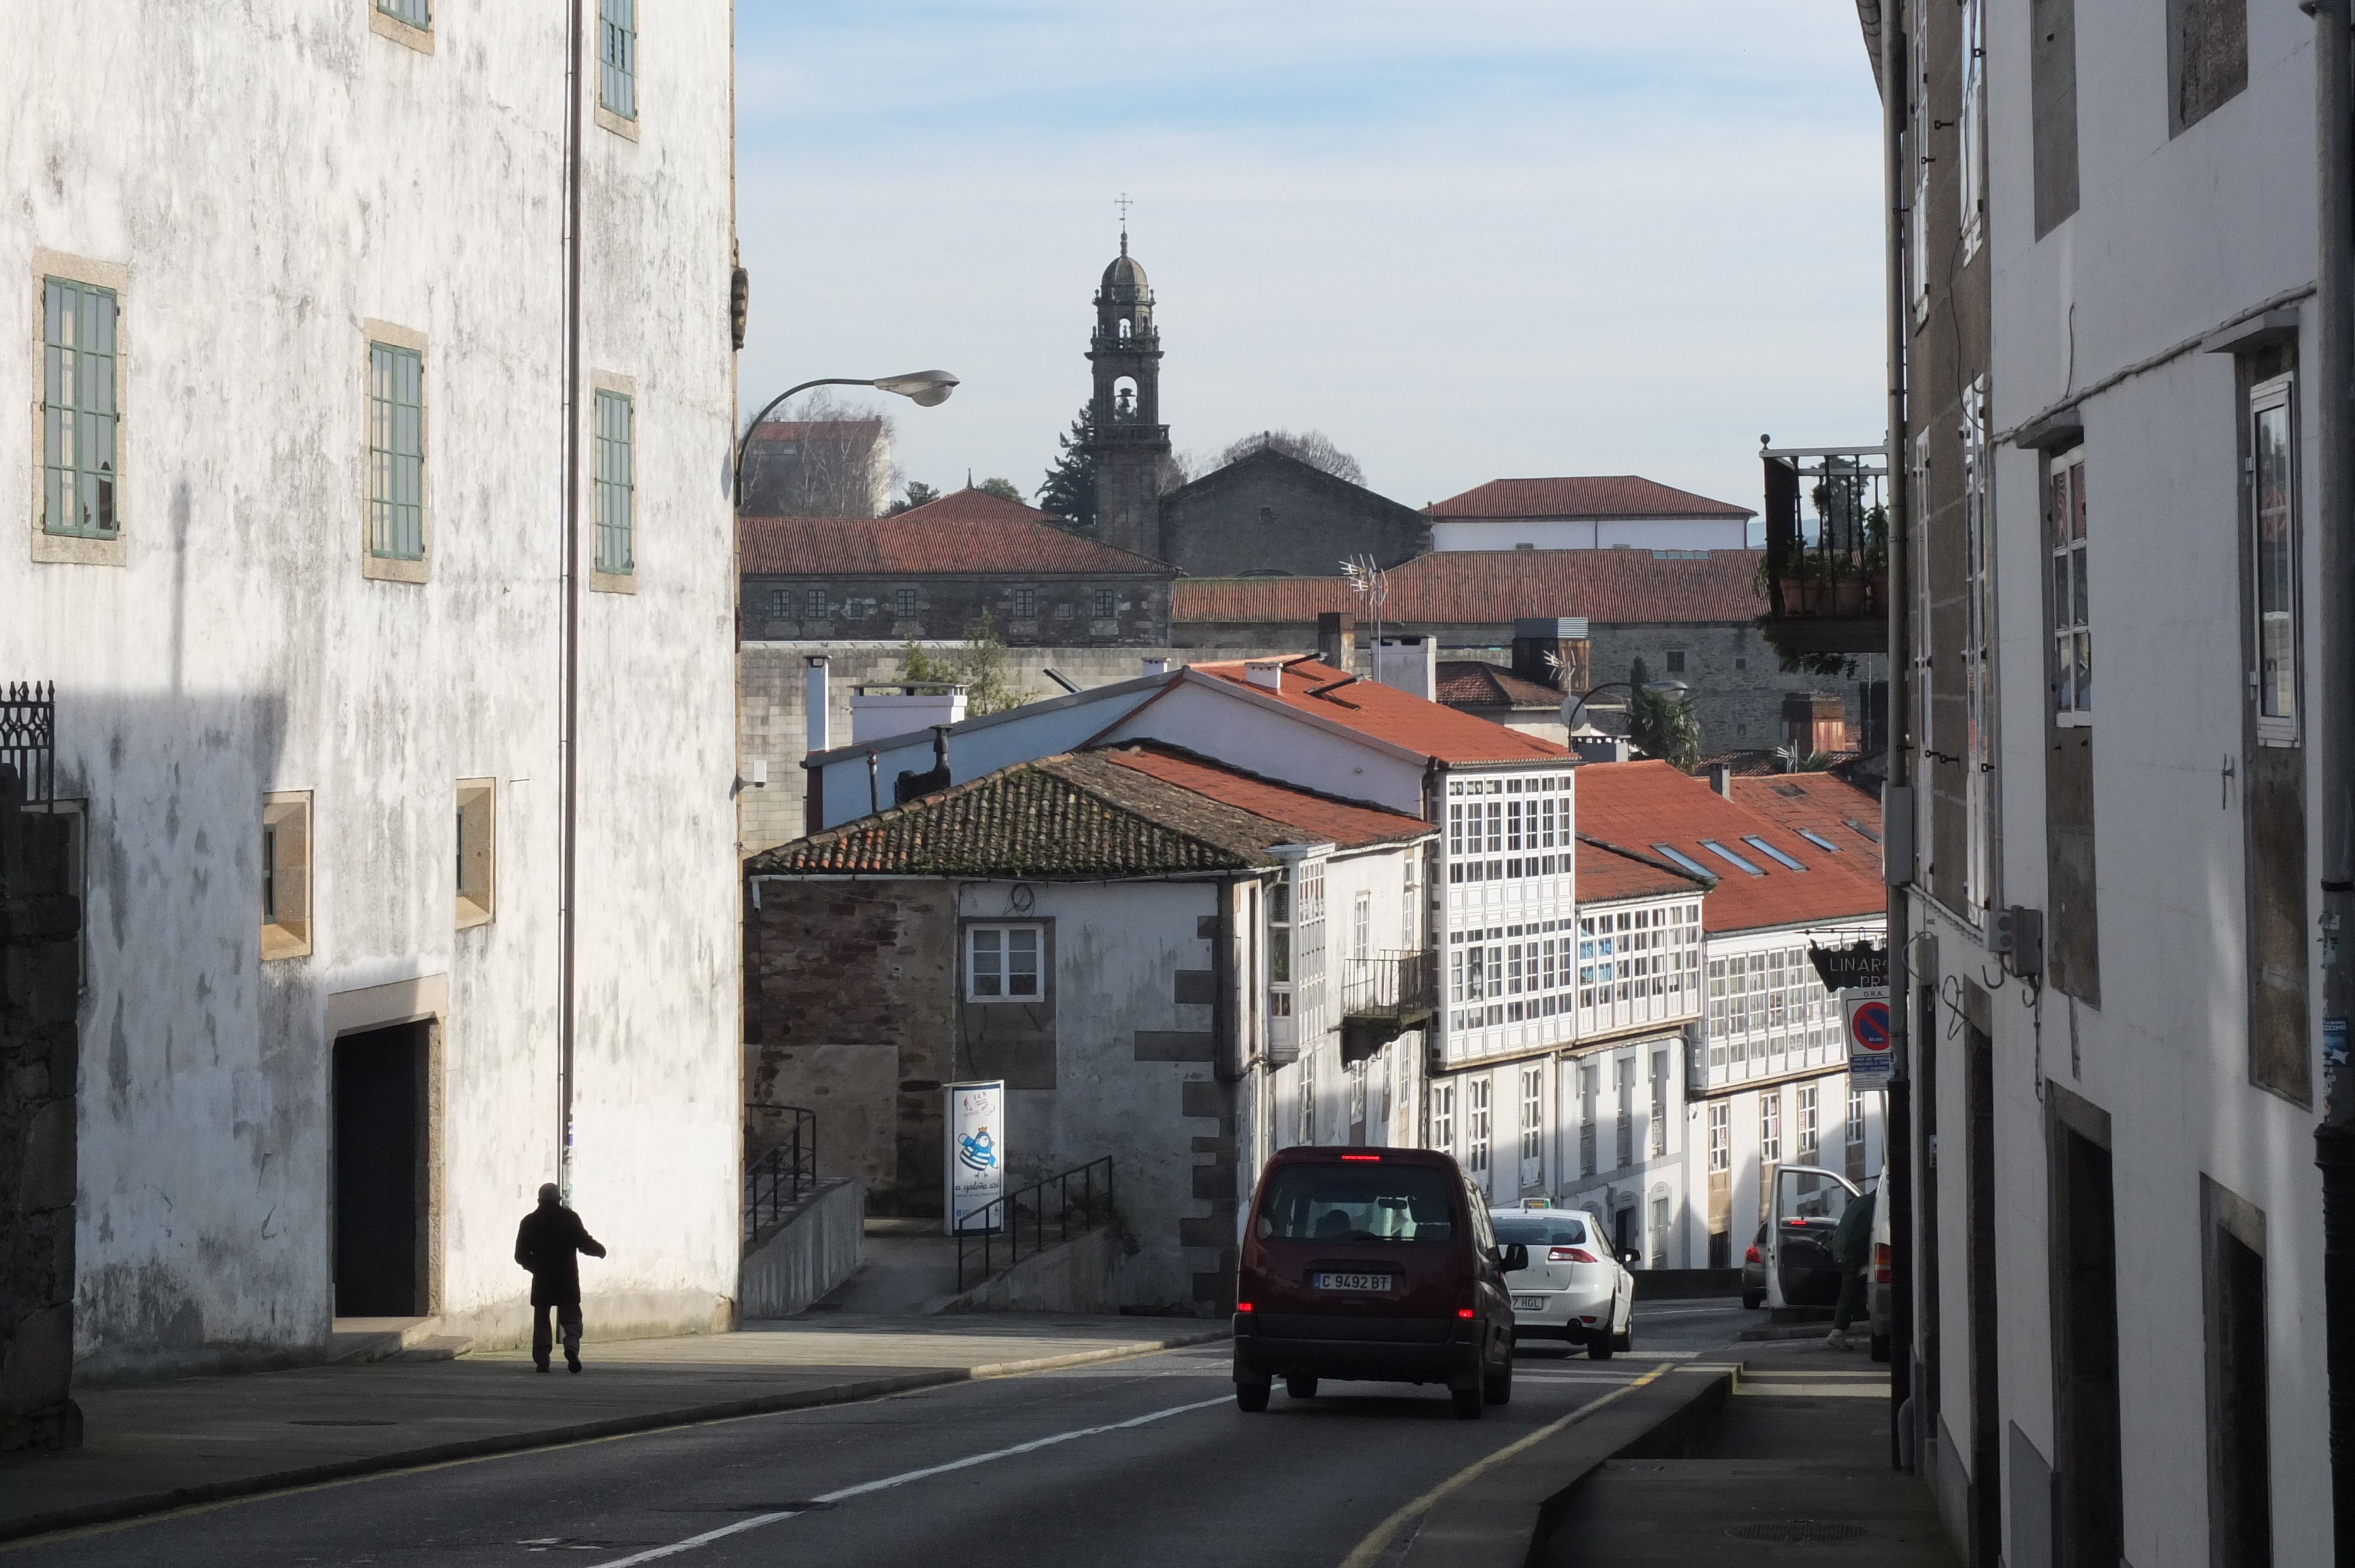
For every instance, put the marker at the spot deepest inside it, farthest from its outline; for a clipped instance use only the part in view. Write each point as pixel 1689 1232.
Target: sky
pixel 1467 240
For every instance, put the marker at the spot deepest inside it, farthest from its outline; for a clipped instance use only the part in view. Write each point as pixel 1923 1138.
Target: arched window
pixel 1124 398
pixel 1125 328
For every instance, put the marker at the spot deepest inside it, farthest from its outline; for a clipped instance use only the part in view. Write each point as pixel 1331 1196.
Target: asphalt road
pixel 1139 1462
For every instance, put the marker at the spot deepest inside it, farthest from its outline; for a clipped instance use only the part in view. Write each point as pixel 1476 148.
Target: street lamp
pixel 925 389
pixel 1572 708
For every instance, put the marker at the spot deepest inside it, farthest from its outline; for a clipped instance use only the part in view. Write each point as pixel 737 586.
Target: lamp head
pixel 925 389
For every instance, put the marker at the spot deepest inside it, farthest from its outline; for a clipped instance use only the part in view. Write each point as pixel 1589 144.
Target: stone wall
pixel 1269 513
pixel 40 924
pixel 1026 610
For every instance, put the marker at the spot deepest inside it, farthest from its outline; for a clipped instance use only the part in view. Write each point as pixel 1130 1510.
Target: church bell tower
pixel 1126 437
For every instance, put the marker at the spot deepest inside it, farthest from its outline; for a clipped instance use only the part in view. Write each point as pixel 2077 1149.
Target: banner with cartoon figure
pixel 976 1153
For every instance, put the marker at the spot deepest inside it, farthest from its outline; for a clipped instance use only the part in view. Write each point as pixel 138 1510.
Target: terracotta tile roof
pixel 925 543
pixel 1594 495
pixel 1384 712
pixel 1639 805
pixel 1476 684
pixel 1089 814
pixel 1459 587
pixel 1820 803
pixel 973 505
pixel 1607 871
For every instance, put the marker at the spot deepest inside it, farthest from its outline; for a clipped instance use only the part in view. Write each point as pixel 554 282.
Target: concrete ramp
pixel 816 1247
pixel 1081 1274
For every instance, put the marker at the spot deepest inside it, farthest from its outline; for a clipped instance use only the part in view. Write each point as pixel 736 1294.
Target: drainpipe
pixel 2334 1137
pixel 569 742
pixel 1897 800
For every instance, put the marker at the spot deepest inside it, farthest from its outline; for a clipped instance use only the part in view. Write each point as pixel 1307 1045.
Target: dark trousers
pixel 543 1339
pixel 1851 1301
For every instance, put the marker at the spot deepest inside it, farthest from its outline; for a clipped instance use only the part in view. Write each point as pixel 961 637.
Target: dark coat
pixel 550 1242
pixel 1852 1240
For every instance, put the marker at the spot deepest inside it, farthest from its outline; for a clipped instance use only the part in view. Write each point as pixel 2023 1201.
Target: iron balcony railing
pixel 1390 986
pixel 28 738
pixel 1827 534
pixel 1027 1222
pixel 776 1180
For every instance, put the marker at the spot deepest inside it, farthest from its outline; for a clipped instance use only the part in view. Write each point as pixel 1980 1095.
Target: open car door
pixel 1808 1202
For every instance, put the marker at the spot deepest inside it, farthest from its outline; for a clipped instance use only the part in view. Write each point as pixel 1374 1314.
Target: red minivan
pixel 1372 1264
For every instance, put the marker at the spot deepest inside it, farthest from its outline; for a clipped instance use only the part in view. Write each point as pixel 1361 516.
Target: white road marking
pixel 757 1520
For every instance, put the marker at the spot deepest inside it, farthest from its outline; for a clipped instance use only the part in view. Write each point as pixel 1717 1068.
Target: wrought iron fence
pixel 776 1180
pixel 1069 1204
pixel 1826 532
pixel 29 738
pixel 1390 985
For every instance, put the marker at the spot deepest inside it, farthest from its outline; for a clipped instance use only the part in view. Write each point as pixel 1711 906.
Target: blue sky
pixel 1467 240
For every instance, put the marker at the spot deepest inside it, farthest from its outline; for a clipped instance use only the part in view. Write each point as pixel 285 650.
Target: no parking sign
pixel 1867 1012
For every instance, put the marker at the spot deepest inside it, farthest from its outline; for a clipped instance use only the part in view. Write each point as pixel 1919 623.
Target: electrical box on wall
pixel 2018 934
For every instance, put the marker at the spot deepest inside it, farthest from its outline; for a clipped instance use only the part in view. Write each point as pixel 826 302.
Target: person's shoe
pixel 540 1366
pixel 1837 1340
pixel 571 1361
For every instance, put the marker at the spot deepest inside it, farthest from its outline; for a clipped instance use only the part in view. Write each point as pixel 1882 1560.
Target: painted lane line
pixel 757 1520
pixel 1371 1548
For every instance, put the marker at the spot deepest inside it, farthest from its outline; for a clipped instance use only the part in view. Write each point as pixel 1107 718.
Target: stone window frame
pixel 396 569
pixel 476 853
pixel 76 549
pixel 287 835
pixel 384 24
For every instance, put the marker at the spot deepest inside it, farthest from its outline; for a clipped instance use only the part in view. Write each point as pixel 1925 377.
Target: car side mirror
pixel 1631 1258
pixel 1513 1257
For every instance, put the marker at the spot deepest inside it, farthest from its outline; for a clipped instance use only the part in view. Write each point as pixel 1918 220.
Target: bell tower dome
pixel 1126 435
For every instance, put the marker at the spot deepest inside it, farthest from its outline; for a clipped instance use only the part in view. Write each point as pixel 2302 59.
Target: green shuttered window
pixel 78 492
pixel 617 54
pixel 396 452
pixel 616 484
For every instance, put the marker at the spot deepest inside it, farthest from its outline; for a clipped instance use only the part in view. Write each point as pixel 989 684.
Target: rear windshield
pixel 1357 1203
pixel 1549 1231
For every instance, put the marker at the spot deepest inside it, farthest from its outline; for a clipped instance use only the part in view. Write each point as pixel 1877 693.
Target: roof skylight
pixel 1729 857
pixel 1770 851
pixel 1685 860
pixel 1872 833
pixel 1818 840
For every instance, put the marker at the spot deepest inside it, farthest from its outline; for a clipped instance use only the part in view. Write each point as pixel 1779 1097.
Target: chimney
pixel 1410 663
pixel 1720 779
pixel 1264 672
pixel 1336 639
pixel 816 704
pixel 1156 666
pixel 1553 651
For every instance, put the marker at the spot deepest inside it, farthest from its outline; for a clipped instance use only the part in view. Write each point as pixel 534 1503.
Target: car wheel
pixel 1300 1386
pixel 1625 1339
pixel 1252 1397
pixel 1467 1402
pixel 1496 1387
pixel 1881 1347
pixel 1753 1299
pixel 1600 1347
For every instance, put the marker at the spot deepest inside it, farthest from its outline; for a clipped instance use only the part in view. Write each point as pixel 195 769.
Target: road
pixel 1141 1462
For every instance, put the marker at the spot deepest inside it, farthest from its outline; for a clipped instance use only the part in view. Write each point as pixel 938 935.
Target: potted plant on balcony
pixel 1844 585
pixel 1876 557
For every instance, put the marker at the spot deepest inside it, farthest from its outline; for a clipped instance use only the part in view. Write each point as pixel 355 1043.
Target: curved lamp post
pixel 1571 708
pixel 925 389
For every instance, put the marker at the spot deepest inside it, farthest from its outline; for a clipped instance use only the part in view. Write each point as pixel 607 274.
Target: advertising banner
pixel 1866 1009
pixel 976 1152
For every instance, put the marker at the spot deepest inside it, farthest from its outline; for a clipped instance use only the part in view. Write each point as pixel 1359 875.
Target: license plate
pixel 1529 1303
pixel 1352 1282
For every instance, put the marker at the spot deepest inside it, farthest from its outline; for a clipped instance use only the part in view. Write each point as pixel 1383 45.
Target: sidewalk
pixel 161 1446
pixel 1794 1470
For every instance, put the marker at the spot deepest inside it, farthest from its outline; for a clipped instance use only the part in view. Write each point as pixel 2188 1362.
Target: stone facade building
pixel 1127 439
pixel 1270 515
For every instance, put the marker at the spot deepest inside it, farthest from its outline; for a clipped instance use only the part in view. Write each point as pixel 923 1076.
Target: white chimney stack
pixel 1156 666
pixel 1264 672
pixel 817 699
pixel 1408 664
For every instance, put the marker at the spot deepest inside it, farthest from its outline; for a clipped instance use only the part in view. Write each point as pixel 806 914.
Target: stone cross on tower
pixel 1126 435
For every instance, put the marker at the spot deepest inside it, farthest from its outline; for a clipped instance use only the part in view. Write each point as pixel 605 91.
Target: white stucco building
pixel 371 349
pixel 1587 512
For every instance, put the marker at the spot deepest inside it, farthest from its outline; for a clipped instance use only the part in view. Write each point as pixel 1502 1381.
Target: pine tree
pixel 1069 488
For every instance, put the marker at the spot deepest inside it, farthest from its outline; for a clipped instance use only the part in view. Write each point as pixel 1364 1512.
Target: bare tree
pixel 1311 446
pixel 833 459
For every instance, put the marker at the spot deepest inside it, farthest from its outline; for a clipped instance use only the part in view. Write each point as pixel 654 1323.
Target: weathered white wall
pixel 270 177
pixel 1590 533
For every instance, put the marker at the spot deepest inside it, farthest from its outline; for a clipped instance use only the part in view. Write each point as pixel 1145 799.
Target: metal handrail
pixel 775 1180
pixel 29 738
pixel 997 1228
pixel 1392 984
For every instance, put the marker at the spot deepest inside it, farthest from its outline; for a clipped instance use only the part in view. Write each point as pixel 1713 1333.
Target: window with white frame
pixel 1659 1138
pixel 1532 1117
pixel 78 469
pixel 396 452
pixel 1979 750
pixel 2274 555
pixel 1721 1136
pixel 1918 145
pixel 1587 1088
pixel 2072 636
pixel 1974 126
pixel 813 604
pixel 617 56
pixel 615 483
pixel 1769 1127
pixel 1361 924
pixel 1308 956
pixel 1443 1116
pixel 1659 1250
pixel 1810 1128
pixel 1855 1114
pixel 1477 1126
pixel 1279 948
pixel 1623 1089
pixel 1003 963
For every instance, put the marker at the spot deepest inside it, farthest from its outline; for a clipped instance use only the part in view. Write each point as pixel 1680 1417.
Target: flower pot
pixel 1847 597
pixel 1802 596
pixel 1879 581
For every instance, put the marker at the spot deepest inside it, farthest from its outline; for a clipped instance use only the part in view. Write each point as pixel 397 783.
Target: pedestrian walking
pixel 550 1242
pixel 1851 1250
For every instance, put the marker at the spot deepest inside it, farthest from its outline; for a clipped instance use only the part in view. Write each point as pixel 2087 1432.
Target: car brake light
pixel 1242 1305
pixel 1750 1253
pixel 1375 1159
pixel 1568 1254
pixel 1464 1311
pixel 1880 1263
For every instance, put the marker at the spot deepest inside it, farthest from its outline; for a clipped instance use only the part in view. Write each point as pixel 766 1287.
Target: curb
pixel 28 1526
pixel 1788 1331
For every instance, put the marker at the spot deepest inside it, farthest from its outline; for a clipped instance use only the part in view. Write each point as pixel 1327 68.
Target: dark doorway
pixel 1986 1388
pixel 2240 1462
pixel 2085 1352
pixel 1623 1223
pixel 380 1081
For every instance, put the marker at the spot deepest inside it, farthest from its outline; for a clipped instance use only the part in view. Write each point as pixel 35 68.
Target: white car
pixel 1574 1288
